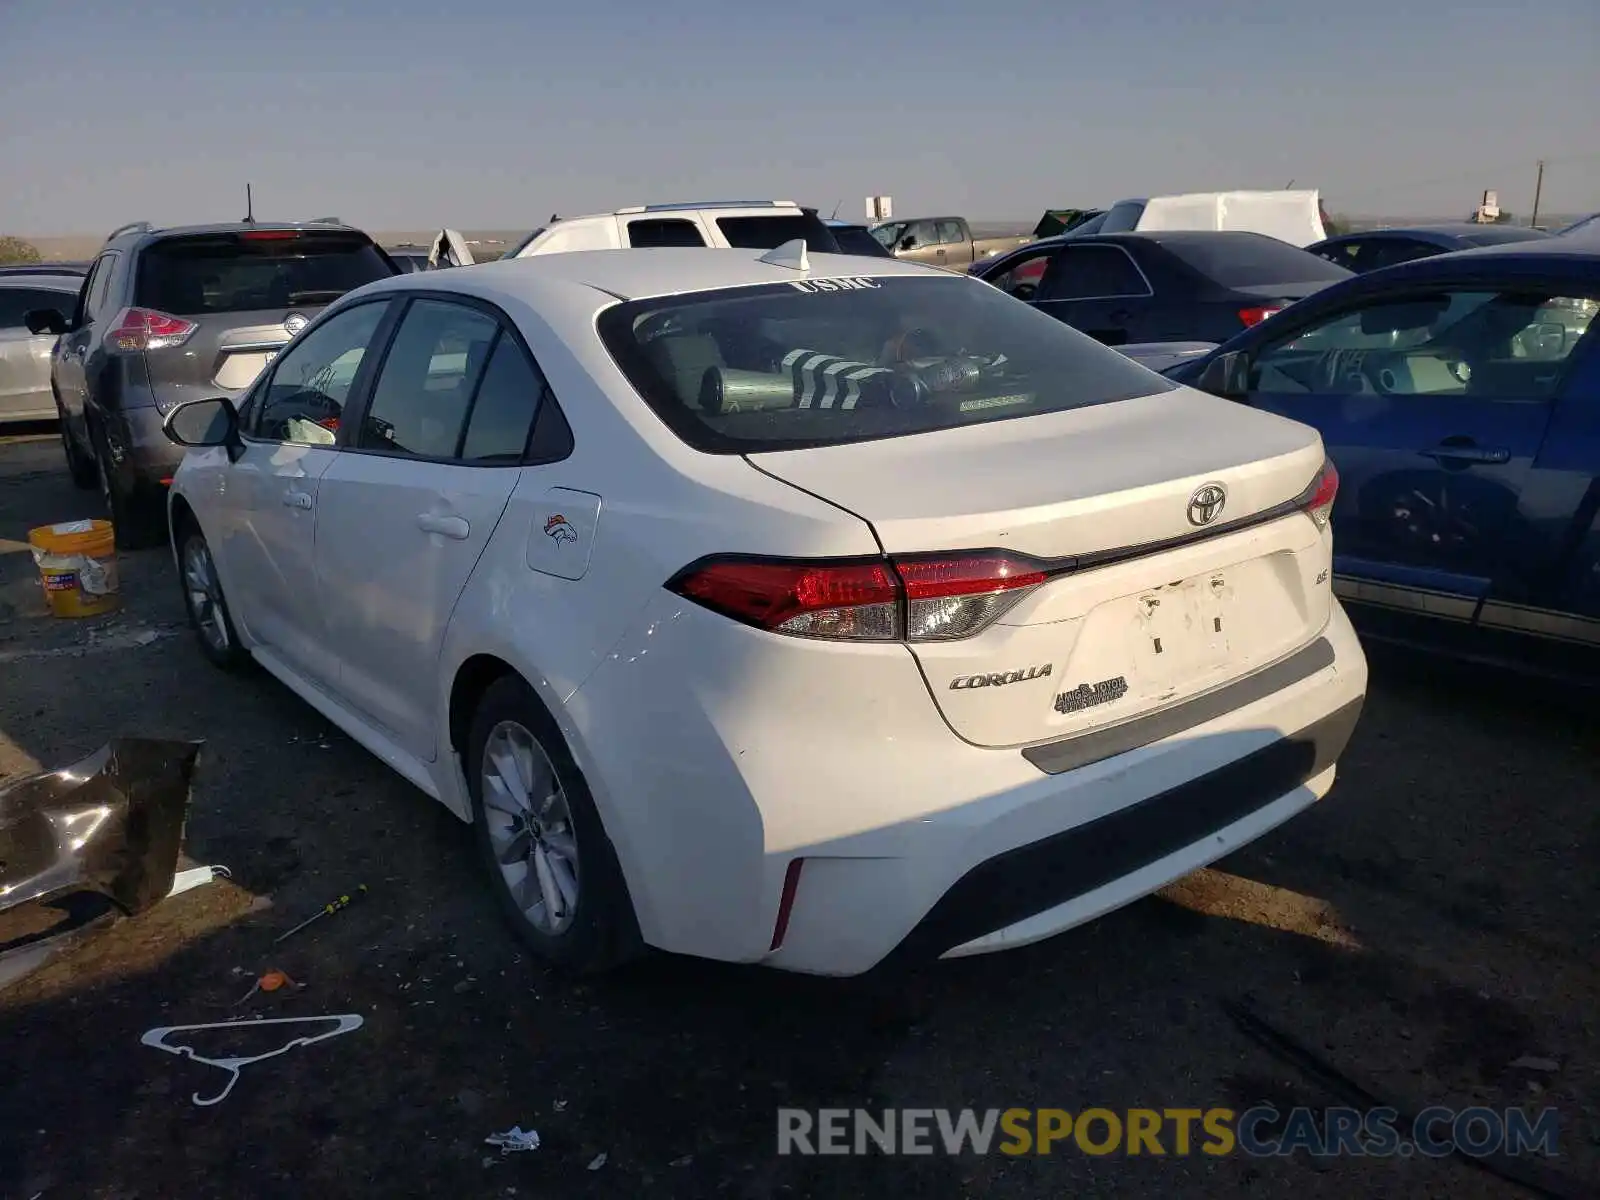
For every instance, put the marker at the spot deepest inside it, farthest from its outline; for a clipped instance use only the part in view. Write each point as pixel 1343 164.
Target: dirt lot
pixel 1432 921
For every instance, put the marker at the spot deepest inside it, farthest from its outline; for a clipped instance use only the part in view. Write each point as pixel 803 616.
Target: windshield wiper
pixel 315 296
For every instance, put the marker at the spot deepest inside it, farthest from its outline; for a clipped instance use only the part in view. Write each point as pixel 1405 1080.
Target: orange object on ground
pixel 77 563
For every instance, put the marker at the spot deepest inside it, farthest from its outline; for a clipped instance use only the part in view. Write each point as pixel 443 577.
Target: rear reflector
pixel 1254 316
pixel 1318 499
pixel 791 885
pixel 918 598
pixel 145 329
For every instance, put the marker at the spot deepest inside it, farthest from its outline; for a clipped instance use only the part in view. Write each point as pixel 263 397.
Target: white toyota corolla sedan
pixel 804 611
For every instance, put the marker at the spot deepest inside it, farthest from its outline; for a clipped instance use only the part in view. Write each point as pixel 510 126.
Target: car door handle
pixel 1468 454
pixel 451 527
pixel 297 499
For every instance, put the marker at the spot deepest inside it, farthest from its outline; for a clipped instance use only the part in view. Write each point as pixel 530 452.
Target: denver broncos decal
pixel 560 529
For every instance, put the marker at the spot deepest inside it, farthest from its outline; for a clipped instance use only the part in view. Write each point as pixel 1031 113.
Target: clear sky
pixel 491 114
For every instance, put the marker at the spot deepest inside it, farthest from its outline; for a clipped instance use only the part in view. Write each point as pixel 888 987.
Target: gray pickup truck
pixel 941 242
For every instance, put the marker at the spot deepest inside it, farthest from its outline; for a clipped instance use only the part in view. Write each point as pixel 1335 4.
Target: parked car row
pixel 573 541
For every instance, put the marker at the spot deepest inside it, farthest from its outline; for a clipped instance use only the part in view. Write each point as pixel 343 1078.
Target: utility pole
pixel 1538 186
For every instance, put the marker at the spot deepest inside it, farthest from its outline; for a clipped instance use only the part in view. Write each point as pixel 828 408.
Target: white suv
pixel 787 609
pixel 748 225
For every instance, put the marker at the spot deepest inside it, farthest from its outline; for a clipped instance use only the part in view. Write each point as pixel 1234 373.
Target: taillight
pixel 146 329
pixel 269 235
pixel 1254 316
pixel 1317 500
pixel 954 596
pixel 917 598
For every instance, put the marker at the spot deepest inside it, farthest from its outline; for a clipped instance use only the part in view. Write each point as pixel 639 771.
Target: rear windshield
pixel 825 361
pixel 1249 259
pixel 768 233
pixel 222 273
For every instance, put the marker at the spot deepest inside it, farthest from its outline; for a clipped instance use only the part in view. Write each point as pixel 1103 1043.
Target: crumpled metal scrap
pixel 111 823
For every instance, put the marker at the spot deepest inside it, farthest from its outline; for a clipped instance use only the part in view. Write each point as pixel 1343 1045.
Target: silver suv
pixel 167 315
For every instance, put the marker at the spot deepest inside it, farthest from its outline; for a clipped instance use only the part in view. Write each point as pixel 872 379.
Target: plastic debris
pixel 561 1106
pixel 514 1139
pixel 598 1161
pixel 269 982
pixel 233 1064
pixel 1532 1062
pixel 183 881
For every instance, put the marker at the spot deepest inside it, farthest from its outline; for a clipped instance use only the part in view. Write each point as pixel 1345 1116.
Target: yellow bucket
pixel 77 563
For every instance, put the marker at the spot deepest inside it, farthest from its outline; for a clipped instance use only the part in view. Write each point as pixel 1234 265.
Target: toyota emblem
pixel 1206 505
pixel 295 322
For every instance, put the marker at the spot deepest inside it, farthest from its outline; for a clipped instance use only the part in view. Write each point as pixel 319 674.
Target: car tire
pixel 541 839
pixel 204 601
pixel 137 525
pixel 83 468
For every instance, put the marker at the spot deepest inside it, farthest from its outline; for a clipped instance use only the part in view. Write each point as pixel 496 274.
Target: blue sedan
pixel 1459 398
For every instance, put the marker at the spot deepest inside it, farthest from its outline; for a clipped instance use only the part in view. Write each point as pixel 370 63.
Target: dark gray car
pixel 25 355
pixel 167 315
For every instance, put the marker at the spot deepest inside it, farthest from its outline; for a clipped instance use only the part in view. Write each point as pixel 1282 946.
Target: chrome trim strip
pixel 1541 622
pixel 1405 599
pixel 1081 749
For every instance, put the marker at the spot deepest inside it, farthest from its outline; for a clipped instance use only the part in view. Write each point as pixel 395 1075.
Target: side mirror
pixel 1547 338
pixel 44 320
pixel 1226 375
pixel 909 242
pixel 200 423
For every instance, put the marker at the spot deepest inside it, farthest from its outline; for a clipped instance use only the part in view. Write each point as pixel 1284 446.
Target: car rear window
pixel 1249 259
pixel 768 233
pixel 825 361
pixel 246 272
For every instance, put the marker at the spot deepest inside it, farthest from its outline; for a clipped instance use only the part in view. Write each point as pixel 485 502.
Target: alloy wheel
pixel 529 823
pixel 204 592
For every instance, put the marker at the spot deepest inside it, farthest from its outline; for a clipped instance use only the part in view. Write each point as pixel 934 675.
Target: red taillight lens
pixel 954 596
pixel 856 600
pixel 269 235
pixel 921 597
pixel 146 329
pixel 1254 316
pixel 1318 499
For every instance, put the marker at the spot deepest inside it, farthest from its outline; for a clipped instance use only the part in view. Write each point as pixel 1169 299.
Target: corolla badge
pixel 1207 503
pixel 559 528
pixel 295 322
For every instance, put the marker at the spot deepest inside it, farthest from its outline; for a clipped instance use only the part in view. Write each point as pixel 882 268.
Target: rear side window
pixel 17 303
pixel 255 270
pixel 768 233
pixel 1249 259
pixel 503 410
pixel 420 401
pixel 673 231
pixel 1092 273
pixel 826 361
pixel 853 239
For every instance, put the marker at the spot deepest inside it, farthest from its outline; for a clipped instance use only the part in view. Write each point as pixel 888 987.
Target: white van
pixel 1296 217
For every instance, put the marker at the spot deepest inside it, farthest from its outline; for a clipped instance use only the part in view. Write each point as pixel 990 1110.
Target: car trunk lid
pixel 1155 592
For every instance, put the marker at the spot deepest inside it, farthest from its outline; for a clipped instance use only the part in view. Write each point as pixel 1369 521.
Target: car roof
pixel 50 283
pixel 1441 229
pixel 655 271
pixel 145 233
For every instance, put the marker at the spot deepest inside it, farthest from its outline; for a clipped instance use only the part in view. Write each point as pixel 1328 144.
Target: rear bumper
pixel 143 454
pixel 911 841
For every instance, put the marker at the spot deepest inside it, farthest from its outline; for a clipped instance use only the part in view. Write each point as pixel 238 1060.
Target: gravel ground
pixel 1431 922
